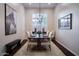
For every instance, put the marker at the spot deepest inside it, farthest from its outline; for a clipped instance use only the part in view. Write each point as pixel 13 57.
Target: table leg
pixel 38 43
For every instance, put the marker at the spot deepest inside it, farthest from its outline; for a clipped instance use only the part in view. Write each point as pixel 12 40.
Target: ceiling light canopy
pixel 30 3
pixel 49 3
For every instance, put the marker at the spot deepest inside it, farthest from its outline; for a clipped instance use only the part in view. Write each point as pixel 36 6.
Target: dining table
pixel 38 39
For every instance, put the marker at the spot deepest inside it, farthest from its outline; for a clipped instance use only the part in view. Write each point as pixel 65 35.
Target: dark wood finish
pixel 15 50
pixel 22 43
pixel 38 40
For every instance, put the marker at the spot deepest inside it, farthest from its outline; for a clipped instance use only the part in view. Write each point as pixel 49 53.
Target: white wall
pixel 68 38
pixel 20 23
pixel 49 12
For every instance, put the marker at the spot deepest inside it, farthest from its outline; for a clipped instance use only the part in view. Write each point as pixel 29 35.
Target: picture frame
pixel 10 20
pixel 65 23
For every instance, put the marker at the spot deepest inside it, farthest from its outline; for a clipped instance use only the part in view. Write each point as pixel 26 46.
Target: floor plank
pixel 55 51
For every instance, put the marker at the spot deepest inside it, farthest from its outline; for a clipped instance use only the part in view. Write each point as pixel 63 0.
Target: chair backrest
pixel 51 35
pixel 28 34
pixel 47 33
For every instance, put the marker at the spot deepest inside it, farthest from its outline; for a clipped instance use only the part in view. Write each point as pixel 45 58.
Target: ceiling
pixel 41 5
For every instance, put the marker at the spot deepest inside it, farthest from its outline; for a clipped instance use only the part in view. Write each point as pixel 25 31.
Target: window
pixel 39 21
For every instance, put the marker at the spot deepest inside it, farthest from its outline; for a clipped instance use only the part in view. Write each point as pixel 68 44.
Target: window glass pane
pixel 39 21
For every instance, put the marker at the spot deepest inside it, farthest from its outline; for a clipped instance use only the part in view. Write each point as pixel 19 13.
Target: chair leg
pixel 27 48
pixel 50 47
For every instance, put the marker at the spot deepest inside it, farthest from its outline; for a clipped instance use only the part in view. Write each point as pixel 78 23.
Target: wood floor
pixel 55 51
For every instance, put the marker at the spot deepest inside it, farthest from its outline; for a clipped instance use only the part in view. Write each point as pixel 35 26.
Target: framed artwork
pixel 65 23
pixel 10 20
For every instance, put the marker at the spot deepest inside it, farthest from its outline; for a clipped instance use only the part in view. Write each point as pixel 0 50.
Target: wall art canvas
pixel 10 20
pixel 65 23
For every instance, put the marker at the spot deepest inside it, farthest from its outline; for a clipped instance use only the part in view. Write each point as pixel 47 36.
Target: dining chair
pixel 51 35
pixel 28 34
pixel 31 42
pixel 48 41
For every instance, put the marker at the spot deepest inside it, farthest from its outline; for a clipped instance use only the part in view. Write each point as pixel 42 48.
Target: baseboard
pixel 67 48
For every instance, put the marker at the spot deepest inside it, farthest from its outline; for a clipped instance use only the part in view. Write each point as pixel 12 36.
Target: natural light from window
pixel 39 21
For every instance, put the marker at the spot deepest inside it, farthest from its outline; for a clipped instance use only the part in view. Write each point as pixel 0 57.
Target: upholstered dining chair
pixel 51 35
pixel 48 41
pixel 30 41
